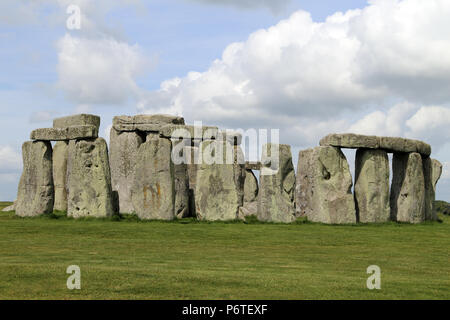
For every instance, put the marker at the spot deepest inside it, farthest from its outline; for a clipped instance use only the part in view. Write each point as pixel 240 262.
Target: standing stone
pixel 191 155
pixel 60 156
pixel 277 184
pixel 239 172
pixel 89 179
pixel 123 154
pixel 250 206
pixel 35 195
pixel 324 186
pixel 153 191
pixel 181 180
pixel 217 196
pixel 432 170
pixel 408 188
pixel 372 186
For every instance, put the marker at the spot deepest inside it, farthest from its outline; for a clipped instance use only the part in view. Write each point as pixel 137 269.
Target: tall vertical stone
pixel 217 196
pixel 181 179
pixel 122 157
pixel 324 183
pixel 277 184
pixel 60 157
pixel 153 191
pixel 432 170
pixel 191 154
pixel 250 207
pixel 35 194
pixel 408 188
pixel 89 179
pixel 372 185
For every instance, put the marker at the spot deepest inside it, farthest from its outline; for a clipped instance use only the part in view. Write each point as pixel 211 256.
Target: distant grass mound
pixel 124 258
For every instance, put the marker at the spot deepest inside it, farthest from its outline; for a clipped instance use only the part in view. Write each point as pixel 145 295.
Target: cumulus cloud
pixel 10 160
pixel 274 5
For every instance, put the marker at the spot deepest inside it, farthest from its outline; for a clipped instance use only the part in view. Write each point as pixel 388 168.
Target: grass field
pixel 185 259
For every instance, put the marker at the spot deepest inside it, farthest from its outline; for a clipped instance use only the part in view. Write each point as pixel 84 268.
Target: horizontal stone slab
pixel 233 137
pixel 390 144
pixel 189 132
pixel 145 122
pixel 68 133
pixel 252 165
pixel 77 120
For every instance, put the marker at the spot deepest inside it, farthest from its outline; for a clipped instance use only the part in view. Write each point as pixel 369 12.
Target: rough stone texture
pixel 77 120
pixel 153 191
pixel 10 208
pixel 189 132
pixel 144 122
pixel 89 179
pixel 239 171
pixel 217 196
pixel 408 188
pixel 432 170
pixel 372 186
pixel 181 182
pixel 36 194
pixel 123 148
pixel 324 182
pixel 60 157
pixel 253 165
pixel 250 206
pixel 61 134
pixel 191 154
pixel 233 137
pixel 390 144
pixel 277 184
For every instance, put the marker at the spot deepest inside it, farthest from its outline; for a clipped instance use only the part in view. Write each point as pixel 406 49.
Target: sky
pixel 307 68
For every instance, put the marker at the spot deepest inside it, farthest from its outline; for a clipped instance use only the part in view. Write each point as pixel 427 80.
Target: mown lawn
pixel 128 259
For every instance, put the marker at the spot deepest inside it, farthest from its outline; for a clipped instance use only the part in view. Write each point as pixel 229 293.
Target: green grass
pixel 129 259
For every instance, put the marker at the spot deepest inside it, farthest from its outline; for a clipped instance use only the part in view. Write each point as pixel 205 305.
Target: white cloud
pixel 431 123
pixel 98 70
pixel 10 160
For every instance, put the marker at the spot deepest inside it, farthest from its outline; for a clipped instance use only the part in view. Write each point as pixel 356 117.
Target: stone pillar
pixel 123 149
pixel 250 207
pixel 89 179
pixel 181 179
pixel 432 170
pixel 277 184
pixel 324 183
pixel 408 188
pixel 191 154
pixel 372 185
pixel 35 194
pixel 217 196
pixel 60 157
pixel 153 191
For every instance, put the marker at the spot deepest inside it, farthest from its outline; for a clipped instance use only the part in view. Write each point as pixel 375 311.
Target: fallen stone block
pixel 323 189
pixel 89 179
pixel 68 133
pixel 36 194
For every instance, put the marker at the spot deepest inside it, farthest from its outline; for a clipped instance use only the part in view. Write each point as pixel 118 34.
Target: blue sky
pixel 377 69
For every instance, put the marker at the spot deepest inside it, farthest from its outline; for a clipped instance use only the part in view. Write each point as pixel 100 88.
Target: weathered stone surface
pixel 60 157
pixel 89 179
pixel 239 171
pixel 408 188
pixel 153 191
pixel 324 182
pixel 77 120
pixel 192 156
pixel 277 184
pixel 123 149
pixel 253 165
pixel 181 180
pixel 68 133
pixel 249 209
pixel 36 194
pixel 250 206
pixel 350 140
pixel 390 144
pixel 233 137
pixel 372 186
pixel 432 170
pixel 144 122
pixel 189 132
pixel 217 197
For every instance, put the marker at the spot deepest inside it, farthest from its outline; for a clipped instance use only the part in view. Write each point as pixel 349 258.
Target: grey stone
pixel 89 179
pixel 144 122
pixel 192 156
pixel 77 120
pixel 153 191
pixel 250 186
pixel 60 157
pixel 36 194
pixel 253 165
pixel 189 132
pixel 181 181
pixel 277 184
pixel 432 170
pixel 217 197
pixel 123 149
pixel 408 188
pixel 372 186
pixel 394 144
pixel 324 182
pixel 68 133
pixel 249 209
pixel 233 137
